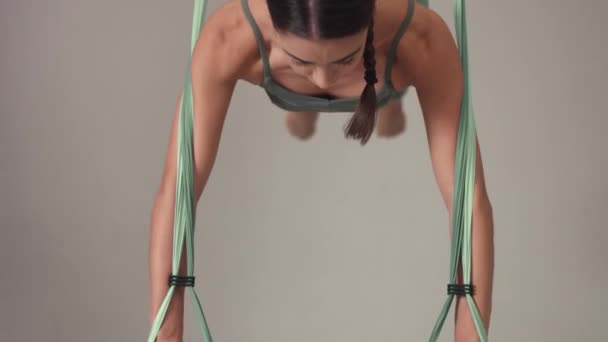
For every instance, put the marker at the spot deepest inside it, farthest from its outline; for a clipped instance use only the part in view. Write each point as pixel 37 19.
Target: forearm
pixel 160 264
pixel 482 273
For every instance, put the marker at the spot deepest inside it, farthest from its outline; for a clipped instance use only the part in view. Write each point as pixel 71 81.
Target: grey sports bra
pixel 292 101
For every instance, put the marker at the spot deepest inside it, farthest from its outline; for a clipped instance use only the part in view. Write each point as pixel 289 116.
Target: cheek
pixel 352 68
pixel 334 72
pixel 347 70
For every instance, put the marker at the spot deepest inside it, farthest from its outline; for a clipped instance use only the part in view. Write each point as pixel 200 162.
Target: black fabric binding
pixel 181 280
pixel 460 289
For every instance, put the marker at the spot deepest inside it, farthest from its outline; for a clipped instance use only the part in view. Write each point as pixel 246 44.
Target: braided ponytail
pixel 361 125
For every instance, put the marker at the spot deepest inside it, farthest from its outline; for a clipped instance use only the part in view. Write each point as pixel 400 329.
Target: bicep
pixel 439 85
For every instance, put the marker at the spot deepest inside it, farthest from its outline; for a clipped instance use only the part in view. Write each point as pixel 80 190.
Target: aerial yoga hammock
pixel 462 200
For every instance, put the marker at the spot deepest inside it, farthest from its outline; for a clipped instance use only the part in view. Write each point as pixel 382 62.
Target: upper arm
pixel 439 84
pixel 214 72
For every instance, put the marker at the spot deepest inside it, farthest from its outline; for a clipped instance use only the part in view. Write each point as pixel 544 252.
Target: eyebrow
pixel 336 61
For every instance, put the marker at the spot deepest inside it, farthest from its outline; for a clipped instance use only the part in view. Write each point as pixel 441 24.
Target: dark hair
pixel 328 19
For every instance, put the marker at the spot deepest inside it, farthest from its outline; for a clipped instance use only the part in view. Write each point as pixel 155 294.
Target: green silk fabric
pixel 462 201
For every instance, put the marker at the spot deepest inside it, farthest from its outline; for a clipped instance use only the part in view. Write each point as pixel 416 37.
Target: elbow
pixel 481 202
pixel 167 188
pixel 163 203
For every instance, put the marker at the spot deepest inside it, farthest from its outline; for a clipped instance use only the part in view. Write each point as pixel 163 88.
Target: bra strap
pixel 258 36
pixel 392 53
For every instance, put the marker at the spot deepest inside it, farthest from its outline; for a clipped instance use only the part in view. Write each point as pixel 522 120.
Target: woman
pixel 314 56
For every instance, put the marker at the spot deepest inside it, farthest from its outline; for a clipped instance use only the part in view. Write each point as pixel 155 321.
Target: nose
pixel 323 77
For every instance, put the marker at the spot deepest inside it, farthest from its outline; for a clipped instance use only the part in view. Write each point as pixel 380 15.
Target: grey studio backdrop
pixel 321 241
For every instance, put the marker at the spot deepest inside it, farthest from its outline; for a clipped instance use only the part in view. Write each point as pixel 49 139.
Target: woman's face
pixel 324 62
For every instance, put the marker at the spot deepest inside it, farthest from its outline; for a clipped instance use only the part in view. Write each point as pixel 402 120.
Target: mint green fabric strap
pixel 464 183
pixel 183 226
pixel 462 200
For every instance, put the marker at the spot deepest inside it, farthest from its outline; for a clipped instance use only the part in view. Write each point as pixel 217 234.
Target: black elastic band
pixel 460 289
pixel 181 280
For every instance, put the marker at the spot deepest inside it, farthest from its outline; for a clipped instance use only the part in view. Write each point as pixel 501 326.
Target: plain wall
pixel 320 241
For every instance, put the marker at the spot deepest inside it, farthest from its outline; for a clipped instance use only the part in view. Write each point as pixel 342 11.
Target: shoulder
pixel 431 51
pixel 226 45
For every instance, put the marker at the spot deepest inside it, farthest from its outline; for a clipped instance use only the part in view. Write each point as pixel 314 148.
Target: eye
pixel 347 61
pixel 299 62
